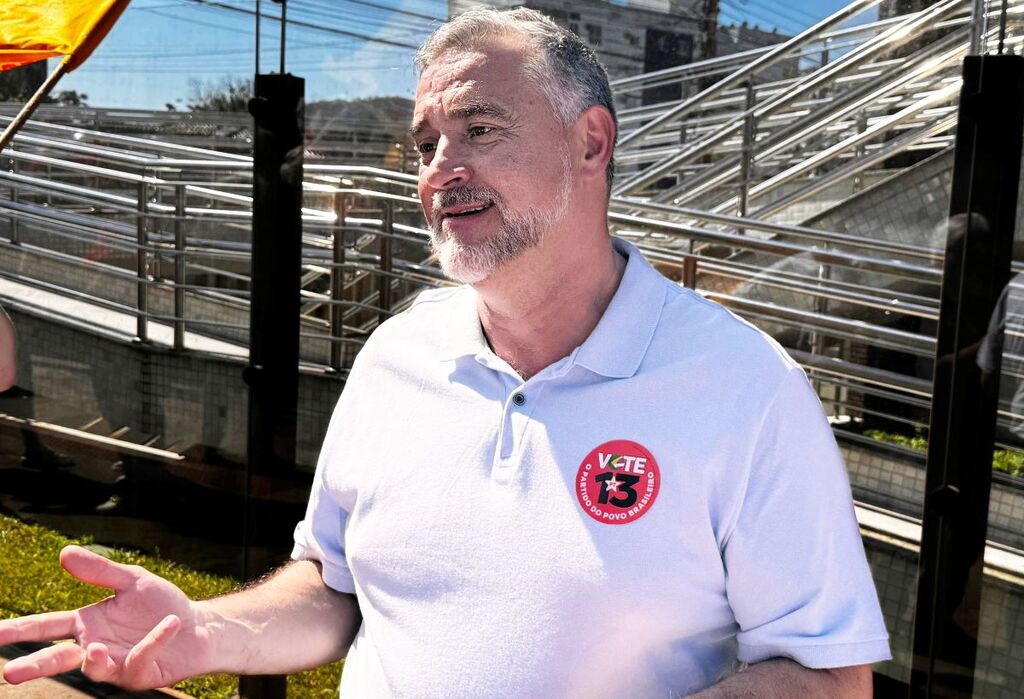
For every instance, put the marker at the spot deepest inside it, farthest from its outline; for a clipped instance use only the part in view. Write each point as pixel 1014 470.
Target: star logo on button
pixel 618 482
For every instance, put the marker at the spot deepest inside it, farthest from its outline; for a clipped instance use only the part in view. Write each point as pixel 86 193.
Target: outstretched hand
pixel 146 635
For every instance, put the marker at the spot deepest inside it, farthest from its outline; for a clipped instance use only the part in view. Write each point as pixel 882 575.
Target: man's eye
pixel 425 147
pixel 475 131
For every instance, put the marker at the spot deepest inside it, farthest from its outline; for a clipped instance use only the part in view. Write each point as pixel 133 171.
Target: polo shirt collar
pixel 465 336
pixel 616 346
pixel 619 342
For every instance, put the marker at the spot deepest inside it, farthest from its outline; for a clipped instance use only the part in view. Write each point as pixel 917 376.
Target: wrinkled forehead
pixel 461 74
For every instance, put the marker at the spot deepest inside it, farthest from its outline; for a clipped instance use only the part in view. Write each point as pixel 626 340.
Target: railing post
pixel 825 56
pixel 179 266
pixel 746 163
pixel 384 293
pixel 142 264
pixel 15 232
pixel 820 306
pixel 978 27
pixel 690 272
pixel 860 150
pixel 338 282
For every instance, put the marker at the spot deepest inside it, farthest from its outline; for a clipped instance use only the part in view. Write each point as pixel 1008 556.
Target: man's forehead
pixel 496 53
pixel 465 83
pixel 452 67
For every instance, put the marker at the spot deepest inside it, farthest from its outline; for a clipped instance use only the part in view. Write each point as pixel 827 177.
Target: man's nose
pixel 448 166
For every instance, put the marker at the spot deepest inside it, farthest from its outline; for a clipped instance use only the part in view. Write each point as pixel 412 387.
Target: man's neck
pixel 547 302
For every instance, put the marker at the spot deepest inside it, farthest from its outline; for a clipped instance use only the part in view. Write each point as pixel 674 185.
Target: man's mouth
pixel 466 211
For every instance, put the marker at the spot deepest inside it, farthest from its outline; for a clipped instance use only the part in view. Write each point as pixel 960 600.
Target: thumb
pixel 94 569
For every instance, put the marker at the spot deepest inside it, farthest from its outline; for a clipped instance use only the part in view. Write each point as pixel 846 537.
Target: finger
pixel 148 649
pixel 94 569
pixel 51 626
pixel 61 657
pixel 97 665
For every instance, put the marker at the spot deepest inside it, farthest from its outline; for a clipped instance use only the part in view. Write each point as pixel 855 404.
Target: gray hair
pixel 561 65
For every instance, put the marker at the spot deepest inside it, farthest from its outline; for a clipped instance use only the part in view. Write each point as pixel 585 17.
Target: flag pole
pixel 30 106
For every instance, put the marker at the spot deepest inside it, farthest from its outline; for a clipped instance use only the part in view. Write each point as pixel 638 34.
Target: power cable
pixel 746 13
pixel 394 10
pixel 414 26
pixel 143 53
pixel 307 25
pixel 791 11
pixel 198 22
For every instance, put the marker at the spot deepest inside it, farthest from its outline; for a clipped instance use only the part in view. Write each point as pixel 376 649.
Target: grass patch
pixel 1004 460
pixel 33 582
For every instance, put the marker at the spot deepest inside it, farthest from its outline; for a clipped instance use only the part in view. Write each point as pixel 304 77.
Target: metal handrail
pixel 829 37
pixel 832 257
pixel 896 146
pixel 349 210
pixel 758 64
pixel 808 164
pixel 940 55
pixel 626 205
pixel 148 144
pixel 912 26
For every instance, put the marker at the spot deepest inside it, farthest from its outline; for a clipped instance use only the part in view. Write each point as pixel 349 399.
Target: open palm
pixel 146 635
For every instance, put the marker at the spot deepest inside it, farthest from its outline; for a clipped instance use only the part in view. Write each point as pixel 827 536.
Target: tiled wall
pixel 896 482
pixel 910 210
pixel 1000 662
pixel 894 571
pixel 188 399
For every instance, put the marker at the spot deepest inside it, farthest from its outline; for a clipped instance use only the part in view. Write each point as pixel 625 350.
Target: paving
pixel 72 685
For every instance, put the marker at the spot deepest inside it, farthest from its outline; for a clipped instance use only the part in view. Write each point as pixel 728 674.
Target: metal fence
pixel 160 230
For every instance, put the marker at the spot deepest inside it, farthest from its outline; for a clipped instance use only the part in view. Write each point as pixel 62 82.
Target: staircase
pixel 800 185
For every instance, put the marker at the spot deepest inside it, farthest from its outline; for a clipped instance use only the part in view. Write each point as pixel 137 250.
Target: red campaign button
pixel 618 482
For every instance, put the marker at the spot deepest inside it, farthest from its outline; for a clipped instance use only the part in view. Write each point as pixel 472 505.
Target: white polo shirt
pixel 634 520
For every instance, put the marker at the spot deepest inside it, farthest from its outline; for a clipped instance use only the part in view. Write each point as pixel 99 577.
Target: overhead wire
pixel 308 25
pixel 792 11
pixel 746 13
pixel 399 24
pixel 197 22
pixel 368 3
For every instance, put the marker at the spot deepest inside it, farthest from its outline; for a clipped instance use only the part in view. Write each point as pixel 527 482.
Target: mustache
pixel 460 196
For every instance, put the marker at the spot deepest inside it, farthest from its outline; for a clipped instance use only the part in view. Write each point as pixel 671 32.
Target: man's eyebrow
pixel 417 127
pixel 467 112
pixel 480 109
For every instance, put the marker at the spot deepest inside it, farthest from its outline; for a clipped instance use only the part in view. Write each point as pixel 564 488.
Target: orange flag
pixel 32 30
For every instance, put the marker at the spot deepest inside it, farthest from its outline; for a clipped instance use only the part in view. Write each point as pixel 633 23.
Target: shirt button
pixel 519 399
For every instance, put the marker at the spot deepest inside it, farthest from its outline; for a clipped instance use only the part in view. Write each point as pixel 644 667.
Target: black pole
pixel 257 71
pixel 273 371
pixel 982 217
pixel 284 30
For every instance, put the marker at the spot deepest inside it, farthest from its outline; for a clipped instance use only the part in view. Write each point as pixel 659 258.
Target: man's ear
pixel 598 133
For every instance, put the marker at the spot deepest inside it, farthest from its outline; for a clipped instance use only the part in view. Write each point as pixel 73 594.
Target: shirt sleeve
pixel 320 536
pixel 797 578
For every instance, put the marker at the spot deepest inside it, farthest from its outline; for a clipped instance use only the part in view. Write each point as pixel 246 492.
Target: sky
pixel 161 50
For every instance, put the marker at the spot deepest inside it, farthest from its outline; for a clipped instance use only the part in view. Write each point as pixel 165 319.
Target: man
pixel 570 478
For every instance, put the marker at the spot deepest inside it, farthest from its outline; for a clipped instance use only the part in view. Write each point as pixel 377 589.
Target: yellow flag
pixel 31 30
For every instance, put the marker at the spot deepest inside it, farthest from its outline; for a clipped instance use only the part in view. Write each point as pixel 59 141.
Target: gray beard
pixel 473 262
pixel 517 232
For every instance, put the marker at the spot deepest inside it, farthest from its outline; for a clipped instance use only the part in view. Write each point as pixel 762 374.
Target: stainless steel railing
pixel 161 231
